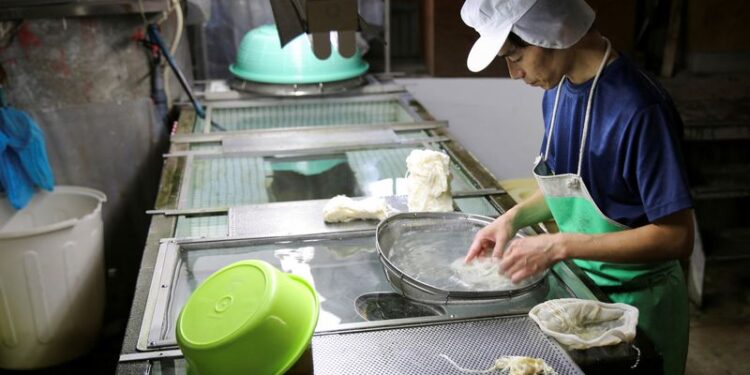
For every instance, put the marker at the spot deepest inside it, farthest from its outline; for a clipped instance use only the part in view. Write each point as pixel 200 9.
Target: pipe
pixel 156 38
pixel 173 48
pixel 387 36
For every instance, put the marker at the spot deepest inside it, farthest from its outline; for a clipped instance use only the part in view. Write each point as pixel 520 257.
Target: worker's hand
pixel 494 236
pixel 528 256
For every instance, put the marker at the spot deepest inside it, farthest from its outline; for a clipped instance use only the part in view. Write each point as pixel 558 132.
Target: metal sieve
pixel 420 252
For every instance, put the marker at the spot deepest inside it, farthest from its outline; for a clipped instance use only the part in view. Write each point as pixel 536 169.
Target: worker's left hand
pixel 528 256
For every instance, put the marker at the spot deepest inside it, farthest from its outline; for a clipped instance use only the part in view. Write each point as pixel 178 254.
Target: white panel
pixel 498 119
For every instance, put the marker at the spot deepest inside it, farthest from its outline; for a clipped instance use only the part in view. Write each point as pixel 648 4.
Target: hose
pixel 173 48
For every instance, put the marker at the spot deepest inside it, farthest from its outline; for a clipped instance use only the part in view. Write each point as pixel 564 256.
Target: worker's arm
pixel 496 235
pixel 666 239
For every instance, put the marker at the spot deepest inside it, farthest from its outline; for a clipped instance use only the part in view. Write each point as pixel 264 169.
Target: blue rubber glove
pixel 13 179
pixel 26 139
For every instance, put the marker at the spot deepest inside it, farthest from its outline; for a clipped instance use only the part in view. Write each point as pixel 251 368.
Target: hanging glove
pixel 13 179
pixel 26 139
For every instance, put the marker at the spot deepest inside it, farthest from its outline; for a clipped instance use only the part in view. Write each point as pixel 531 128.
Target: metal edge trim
pixel 207 120
pixel 307 151
pixel 395 126
pixel 281 101
pixel 184 189
pixel 163 278
pixel 148 311
pixel 171 177
pixel 207 211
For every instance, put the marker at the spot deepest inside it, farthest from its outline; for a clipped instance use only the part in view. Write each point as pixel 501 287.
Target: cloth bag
pixel 583 324
pixel 428 180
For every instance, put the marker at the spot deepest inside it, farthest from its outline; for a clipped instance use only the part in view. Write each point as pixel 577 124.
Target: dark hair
pixel 516 41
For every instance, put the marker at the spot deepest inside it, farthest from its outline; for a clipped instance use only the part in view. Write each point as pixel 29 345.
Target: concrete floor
pixel 720 330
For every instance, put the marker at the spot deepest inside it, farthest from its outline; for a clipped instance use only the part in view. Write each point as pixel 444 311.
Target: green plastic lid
pixel 231 299
pixel 260 58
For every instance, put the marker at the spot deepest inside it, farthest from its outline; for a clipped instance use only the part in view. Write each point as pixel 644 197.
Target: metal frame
pixel 184 182
pixel 151 355
pixel 190 156
pixel 208 120
pixel 157 354
pixel 155 313
pixel 365 143
pixel 282 101
pixel 223 210
pixel 480 176
pixel 403 98
pixel 395 126
pixel 307 151
pixel 494 192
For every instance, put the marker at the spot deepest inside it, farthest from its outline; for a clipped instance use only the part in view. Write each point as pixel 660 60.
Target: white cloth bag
pixel 582 324
pixel 428 181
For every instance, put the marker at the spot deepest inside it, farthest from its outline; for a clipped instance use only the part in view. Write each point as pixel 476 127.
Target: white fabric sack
pixel 583 324
pixel 342 209
pixel 429 181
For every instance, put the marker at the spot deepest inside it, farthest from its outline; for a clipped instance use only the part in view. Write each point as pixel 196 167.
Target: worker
pixel 610 169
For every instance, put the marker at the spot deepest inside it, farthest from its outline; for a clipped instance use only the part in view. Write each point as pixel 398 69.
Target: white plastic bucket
pixel 51 277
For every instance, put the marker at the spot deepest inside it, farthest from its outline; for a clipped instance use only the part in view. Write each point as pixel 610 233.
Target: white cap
pixel 544 23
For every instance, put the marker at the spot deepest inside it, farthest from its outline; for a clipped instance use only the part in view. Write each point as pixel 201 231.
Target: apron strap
pixel 587 116
pixel 552 119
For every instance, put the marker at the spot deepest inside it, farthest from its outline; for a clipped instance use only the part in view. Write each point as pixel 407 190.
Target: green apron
pixel 657 290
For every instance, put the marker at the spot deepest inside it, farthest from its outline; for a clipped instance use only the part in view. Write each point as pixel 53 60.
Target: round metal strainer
pixel 422 254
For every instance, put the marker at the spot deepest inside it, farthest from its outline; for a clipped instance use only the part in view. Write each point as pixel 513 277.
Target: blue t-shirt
pixel 632 164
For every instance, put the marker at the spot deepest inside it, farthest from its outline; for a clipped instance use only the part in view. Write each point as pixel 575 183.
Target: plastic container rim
pixel 101 197
pixel 311 329
pixel 298 78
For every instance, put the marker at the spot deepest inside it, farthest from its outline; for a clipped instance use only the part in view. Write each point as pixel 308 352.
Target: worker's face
pixel 537 66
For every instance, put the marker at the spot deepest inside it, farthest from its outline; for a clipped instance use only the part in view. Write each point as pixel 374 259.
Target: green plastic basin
pixel 247 318
pixel 260 58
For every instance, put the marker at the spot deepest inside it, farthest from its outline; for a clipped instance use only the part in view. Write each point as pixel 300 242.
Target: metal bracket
pixel 145 356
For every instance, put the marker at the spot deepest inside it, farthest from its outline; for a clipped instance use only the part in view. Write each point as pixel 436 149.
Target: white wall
pixel 499 120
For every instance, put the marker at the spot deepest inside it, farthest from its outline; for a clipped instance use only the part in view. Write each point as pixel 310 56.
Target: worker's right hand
pixel 494 236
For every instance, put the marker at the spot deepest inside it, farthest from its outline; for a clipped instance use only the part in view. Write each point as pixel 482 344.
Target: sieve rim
pixel 433 294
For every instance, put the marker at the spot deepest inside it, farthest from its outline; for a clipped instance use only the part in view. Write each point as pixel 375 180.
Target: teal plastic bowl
pixel 260 58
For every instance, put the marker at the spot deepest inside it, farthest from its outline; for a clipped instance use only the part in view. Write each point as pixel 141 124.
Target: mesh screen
pixel 206 146
pixel 416 350
pixel 307 114
pixel 227 181
pixel 241 180
pixel 202 226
